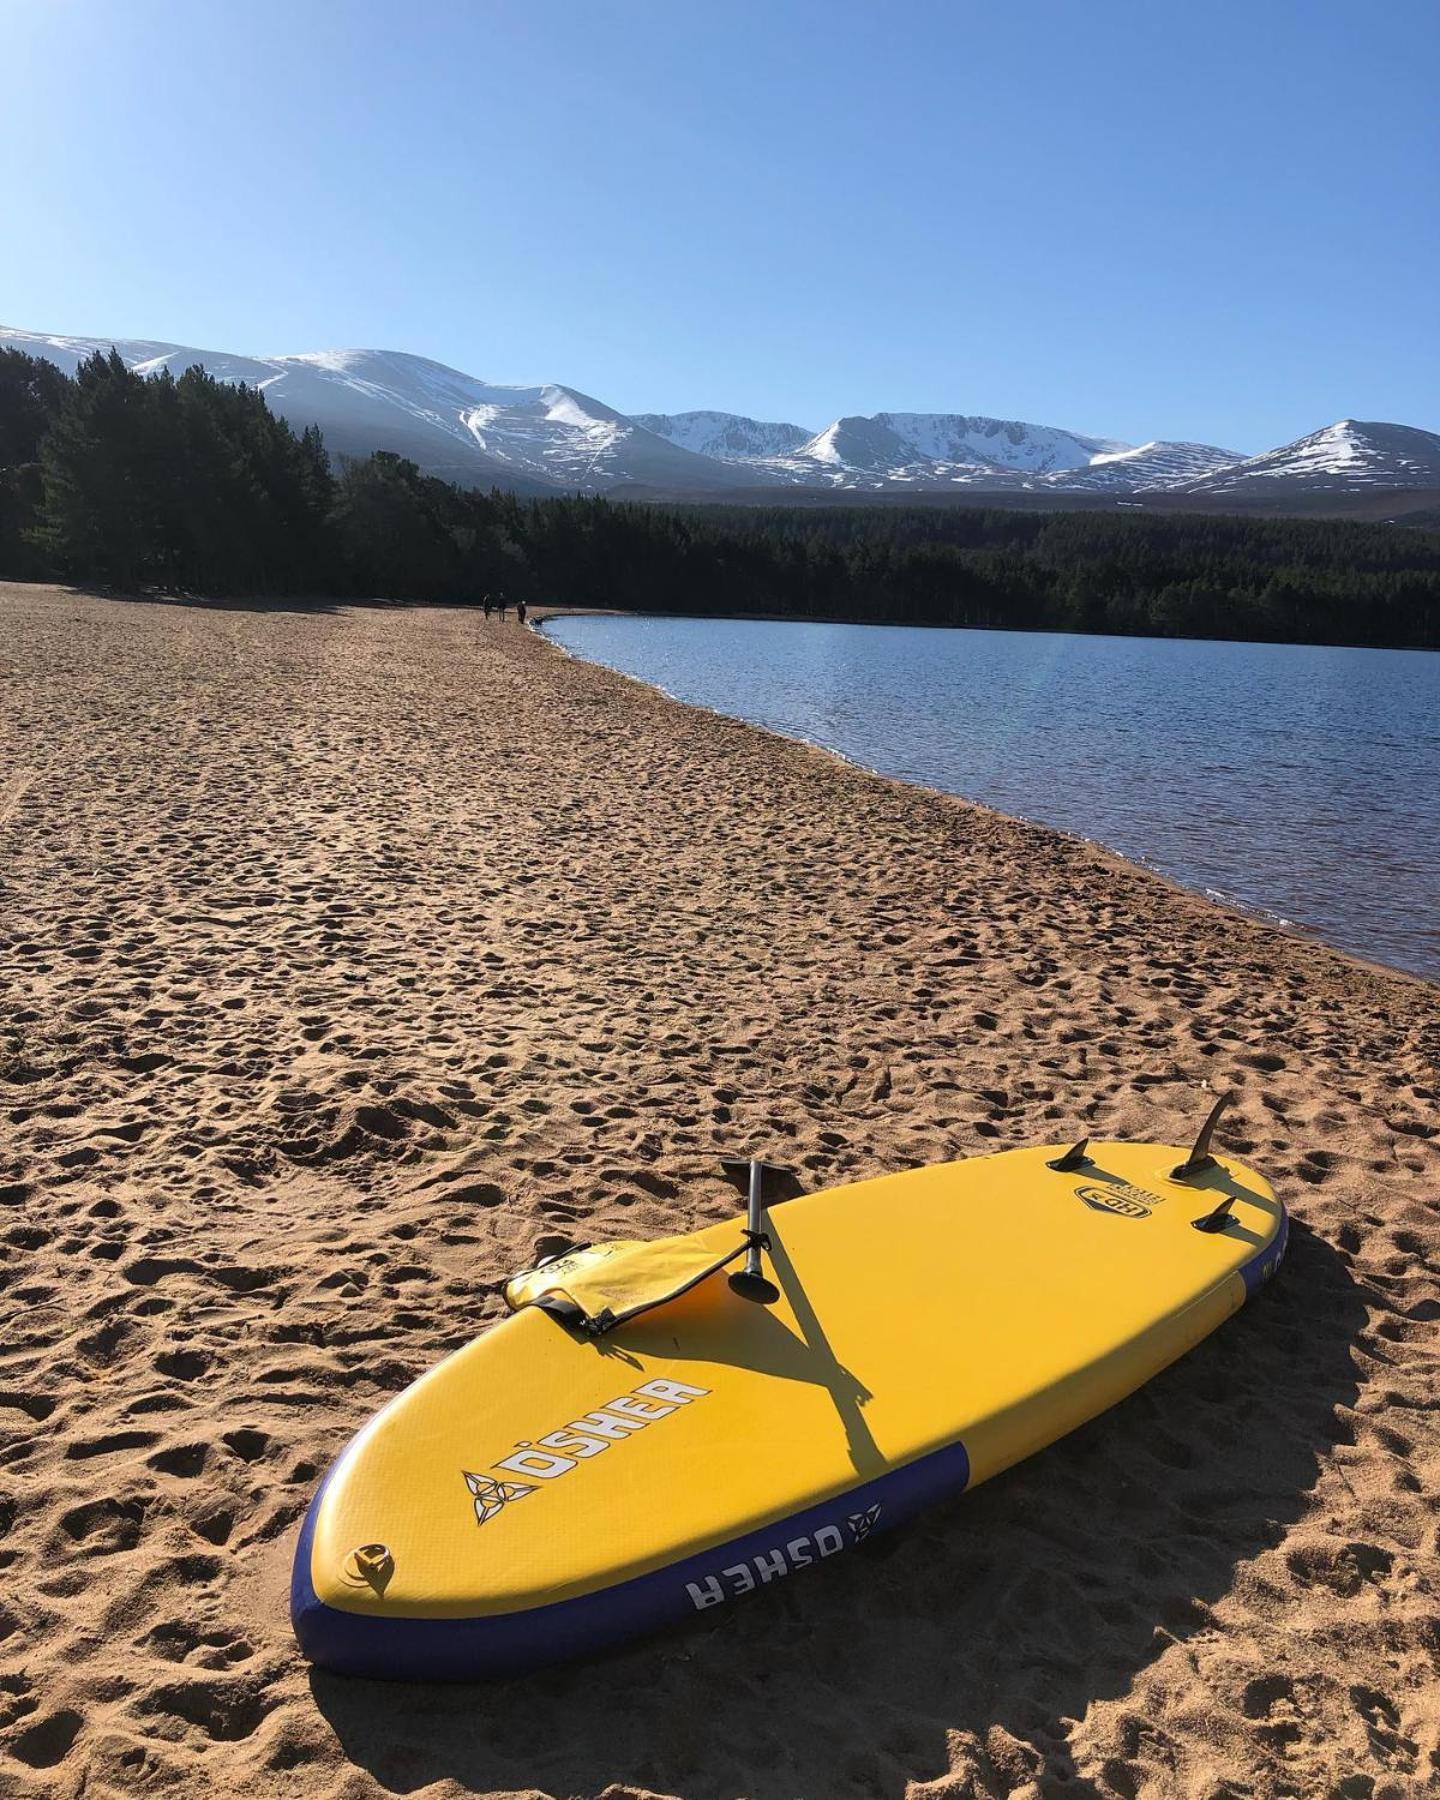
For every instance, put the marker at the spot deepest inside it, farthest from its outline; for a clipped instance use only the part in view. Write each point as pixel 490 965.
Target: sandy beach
pixel 350 957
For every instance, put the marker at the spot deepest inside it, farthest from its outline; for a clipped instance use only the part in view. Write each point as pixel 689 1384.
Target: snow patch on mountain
pixel 1148 467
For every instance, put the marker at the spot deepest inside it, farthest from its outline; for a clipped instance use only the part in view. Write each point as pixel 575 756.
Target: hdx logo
pixel 1120 1201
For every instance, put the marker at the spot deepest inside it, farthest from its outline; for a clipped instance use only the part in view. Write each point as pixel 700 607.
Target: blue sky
pixel 1218 222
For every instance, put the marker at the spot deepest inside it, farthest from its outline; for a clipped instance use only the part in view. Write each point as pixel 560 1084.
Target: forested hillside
pixel 192 485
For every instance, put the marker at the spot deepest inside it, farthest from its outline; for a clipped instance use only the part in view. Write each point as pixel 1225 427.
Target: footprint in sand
pixel 48 1741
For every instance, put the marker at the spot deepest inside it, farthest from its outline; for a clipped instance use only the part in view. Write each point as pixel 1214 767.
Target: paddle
pixel 750 1282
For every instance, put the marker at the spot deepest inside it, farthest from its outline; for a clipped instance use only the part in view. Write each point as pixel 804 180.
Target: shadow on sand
pixel 1016 1606
pixel 322 606
pixel 293 603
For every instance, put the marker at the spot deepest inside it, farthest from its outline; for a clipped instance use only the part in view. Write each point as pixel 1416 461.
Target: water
pixel 1298 780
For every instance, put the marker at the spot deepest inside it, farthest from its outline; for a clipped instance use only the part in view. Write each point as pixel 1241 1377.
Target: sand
pixel 350 956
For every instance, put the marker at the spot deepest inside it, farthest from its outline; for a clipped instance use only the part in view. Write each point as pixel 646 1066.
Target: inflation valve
pixel 371 1565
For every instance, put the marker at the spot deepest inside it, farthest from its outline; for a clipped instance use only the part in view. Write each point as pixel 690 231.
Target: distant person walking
pixel 486 603
pixel 502 603
pixel 520 611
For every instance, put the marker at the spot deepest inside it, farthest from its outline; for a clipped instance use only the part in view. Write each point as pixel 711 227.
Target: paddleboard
pixel 639 1442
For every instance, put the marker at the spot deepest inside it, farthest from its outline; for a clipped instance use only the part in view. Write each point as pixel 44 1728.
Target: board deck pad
pixel 540 1493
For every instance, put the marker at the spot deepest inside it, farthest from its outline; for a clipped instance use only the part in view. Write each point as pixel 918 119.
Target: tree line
pixel 191 485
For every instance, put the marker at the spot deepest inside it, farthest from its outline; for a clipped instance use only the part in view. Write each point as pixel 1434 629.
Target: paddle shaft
pixel 754 1219
pixel 751 1282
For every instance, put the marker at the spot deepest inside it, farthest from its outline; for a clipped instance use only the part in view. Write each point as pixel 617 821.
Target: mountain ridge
pixel 552 438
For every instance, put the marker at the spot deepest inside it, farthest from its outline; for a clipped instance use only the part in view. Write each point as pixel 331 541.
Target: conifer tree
pixel 32 392
pixel 94 517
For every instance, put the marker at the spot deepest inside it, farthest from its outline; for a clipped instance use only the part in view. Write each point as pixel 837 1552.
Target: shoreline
pixel 542 610
pixel 1223 903
pixel 352 958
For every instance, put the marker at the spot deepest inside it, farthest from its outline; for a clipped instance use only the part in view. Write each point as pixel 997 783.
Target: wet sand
pixel 349 956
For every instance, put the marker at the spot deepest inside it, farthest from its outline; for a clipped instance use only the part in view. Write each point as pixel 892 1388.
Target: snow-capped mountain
pixel 935 451
pixel 730 437
pixel 951 441
pixel 551 438
pixel 1344 458
pixel 532 438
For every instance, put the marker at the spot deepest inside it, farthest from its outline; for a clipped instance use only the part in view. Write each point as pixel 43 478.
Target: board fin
pixel 1200 1159
pixel 1074 1158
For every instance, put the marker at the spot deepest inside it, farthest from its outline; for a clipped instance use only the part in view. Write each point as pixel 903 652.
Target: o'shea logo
pixel 561 1452
pixel 1114 1200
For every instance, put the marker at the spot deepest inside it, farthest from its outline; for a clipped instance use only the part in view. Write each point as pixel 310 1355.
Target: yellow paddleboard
pixel 640 1441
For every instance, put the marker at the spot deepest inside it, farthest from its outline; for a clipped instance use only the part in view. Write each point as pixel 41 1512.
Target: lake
pixel 1296 780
